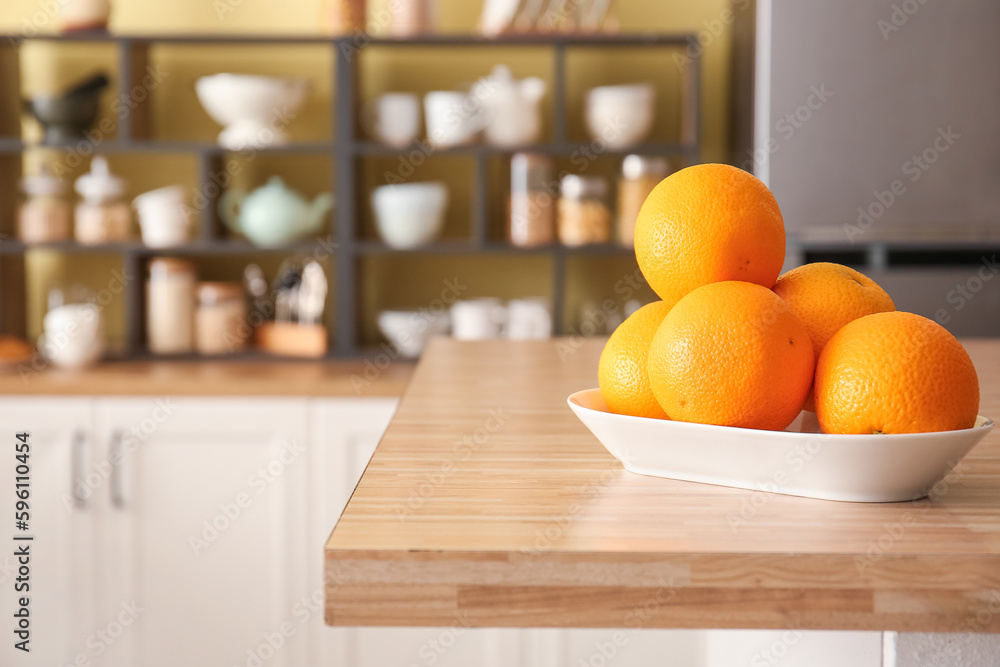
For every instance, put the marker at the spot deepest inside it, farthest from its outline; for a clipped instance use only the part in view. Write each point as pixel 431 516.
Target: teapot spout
pixel 533 88
pixel 318 209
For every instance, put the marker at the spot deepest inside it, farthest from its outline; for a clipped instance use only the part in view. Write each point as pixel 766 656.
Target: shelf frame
pixel 346 151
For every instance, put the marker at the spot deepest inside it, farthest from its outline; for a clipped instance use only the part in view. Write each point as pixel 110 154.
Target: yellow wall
pixel 176 115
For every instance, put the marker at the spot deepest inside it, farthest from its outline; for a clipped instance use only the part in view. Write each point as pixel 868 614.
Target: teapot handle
pixel 230 204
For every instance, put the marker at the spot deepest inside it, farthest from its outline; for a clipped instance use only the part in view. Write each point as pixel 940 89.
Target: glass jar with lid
pixel 640 174
pixel 103 216
pixel 46 214
pixel 170 297
pixel 583 211
pixel 532 203
pixel 221 325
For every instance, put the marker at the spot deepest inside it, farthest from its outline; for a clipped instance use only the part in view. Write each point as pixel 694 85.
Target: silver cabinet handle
pixel 115 480
pixel 77 454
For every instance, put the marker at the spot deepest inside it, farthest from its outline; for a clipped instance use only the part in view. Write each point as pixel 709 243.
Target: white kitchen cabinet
pixel 345 434
pixel 792 648
pixel 190 532
pixel 202 530
pixel 61 592
pixel 631 647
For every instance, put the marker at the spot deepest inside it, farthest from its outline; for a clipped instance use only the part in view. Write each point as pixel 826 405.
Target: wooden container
pixel 292 340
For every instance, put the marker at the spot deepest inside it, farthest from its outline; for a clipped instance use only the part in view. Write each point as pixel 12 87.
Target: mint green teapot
pixel 273 214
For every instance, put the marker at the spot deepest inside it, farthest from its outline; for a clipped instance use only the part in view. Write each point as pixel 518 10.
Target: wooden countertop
pixel 488 503
pixel 215 378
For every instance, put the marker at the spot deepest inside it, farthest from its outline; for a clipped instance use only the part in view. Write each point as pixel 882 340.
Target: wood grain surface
pixel 378 377
pixel 488 503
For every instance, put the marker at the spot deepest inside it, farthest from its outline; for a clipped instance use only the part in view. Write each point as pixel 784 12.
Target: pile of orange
pixel 733 343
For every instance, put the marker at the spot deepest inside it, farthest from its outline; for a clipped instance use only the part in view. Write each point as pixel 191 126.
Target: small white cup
pixel 528 319
pixel 392 118
pixel 453 118
pixel 478 319
pixel 164 218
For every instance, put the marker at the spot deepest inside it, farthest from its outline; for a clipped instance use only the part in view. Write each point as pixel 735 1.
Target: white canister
pixel 170 306
pixel 478 319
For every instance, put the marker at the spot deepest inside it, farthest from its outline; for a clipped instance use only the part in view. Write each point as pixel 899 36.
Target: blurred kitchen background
pixel 254 179
pixel 214 150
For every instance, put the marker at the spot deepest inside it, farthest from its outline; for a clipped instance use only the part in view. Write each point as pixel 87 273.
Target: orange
pixel 621 373
pixel 732 354
pixel 705 224
pixel 826 296
pixel 895 373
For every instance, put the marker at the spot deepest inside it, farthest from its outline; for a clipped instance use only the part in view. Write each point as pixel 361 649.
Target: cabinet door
pixel 344 436
pixel 63 476
pixel 203 530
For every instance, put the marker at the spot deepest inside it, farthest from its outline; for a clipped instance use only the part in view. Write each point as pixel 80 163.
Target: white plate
pixel 799 461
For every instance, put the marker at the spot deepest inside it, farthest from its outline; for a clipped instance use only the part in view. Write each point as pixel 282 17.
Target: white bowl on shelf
pixel 621 116
pixel 72 336
pixel 409 330
pixel 408 215
pixel 254 109
pixel 798 461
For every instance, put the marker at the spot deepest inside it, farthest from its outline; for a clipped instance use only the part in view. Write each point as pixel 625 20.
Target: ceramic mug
pixel 392 118
pixel 453 118
pixel 528 319
pixel 164 218
pixel 478 319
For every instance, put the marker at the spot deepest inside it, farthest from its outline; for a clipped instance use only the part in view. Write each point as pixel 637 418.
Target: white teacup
pixel 453 118
pixel 410 330
pixel 164 217
pixel 392 118
pixel 528 319
pixel 478 319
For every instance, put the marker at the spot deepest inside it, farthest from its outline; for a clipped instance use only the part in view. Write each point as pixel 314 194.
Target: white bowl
pixel 410 330
pixel 621 116
pixel 799 461
pixel 410 214
pixel 254 109
pixel 72 335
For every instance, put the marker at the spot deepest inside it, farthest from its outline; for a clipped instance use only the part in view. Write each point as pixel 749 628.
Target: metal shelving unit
pixel 346 152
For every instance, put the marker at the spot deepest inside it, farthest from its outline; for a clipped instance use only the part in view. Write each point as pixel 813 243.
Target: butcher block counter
pixel 488 503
